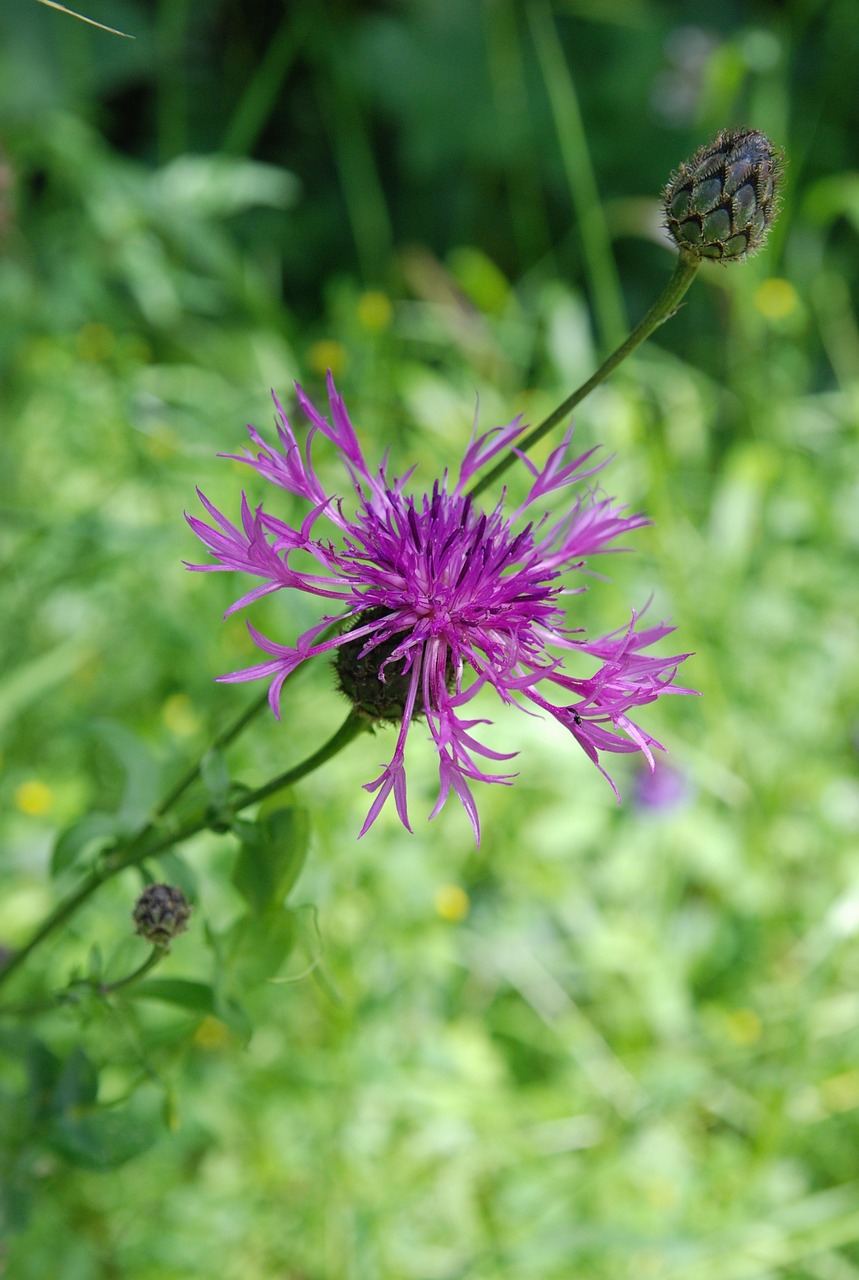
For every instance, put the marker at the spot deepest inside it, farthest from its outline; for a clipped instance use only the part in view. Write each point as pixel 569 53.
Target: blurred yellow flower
pixel 374 310
pixel 452 902
pixel 327 354
pixel 841 1092
pixel 743 1026
pixel 179 715
pixel 95 342
pixel 211 1034
pixel 34 798
pixel 776 298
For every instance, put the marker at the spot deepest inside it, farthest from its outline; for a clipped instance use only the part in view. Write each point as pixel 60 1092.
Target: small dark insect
pixel 577 719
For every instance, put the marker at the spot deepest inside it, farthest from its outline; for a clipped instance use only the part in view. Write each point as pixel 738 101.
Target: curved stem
pixel 155 955
pixel 148 843
pixel 224 738
pixel 684 273
pixel 349 729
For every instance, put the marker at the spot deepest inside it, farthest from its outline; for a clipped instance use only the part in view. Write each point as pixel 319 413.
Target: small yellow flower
pixel 34 798
pixel 776 298
pixel 211 1034
pixel 374 310
pixel 743 1026
pixel 95 342
pixel 452 902
pixel 179 715
pixel 841 1092
pixel 327 354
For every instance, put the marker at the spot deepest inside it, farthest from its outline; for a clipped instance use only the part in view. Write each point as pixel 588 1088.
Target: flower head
pixel 722 202
pixel 434 600
pixel 160 914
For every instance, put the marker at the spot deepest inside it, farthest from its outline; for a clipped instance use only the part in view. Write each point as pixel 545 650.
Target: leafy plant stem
pixel 223 740
pixel 153 839
pixel 72 994
pixel 665 306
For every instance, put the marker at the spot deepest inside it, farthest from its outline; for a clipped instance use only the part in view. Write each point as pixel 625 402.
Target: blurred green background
pixel 613 1041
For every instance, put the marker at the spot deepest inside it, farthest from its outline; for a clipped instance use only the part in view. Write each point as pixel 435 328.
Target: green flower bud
pixel 722 202
pixel 160 913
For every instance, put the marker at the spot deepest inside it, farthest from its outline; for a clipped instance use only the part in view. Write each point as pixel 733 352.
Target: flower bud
pixel 722 202
pixel 376 694
pixel 160 913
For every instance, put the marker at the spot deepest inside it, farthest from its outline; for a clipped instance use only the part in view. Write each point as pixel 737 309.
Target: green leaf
pixel 259 945
pixel 77 1083
pixel 196 997
pixel 215 777
pixel 234 1016
pixel 43 1069
pixel 95 965
pixel 832 197
pixel 272 854
pixel 177 872
pixel 214 186
pixel 140 790
pixel 22 685
pixel 83 837
pixel 107 1137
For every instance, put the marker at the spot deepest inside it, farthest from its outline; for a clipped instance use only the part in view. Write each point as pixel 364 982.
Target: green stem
pixel 72 995
pixel 264 86
pixel 223 740
pixel 349 729
pixel 684 273
pixel 606 294
pixel 148 843
pixel 155 955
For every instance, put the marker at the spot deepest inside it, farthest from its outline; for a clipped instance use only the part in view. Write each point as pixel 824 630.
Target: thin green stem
pixel 349 729
pixel 606 293
pixel 148 843
pixel 264 86
pixel 73 993
pixel 156 954
pixel 684 273
pixel 342 106
pixel 172 98
pixel 224 738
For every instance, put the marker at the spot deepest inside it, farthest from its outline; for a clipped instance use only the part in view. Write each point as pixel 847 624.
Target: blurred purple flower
pixel 660 788
pixel 441 593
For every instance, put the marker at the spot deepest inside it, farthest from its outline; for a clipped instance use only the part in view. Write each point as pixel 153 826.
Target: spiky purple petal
pixel 460 598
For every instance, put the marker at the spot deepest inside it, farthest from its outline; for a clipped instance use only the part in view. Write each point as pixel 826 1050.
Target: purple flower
pixel 437 599
pixel 660 789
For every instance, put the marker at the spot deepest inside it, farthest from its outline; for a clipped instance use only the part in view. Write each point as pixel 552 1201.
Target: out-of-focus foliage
pixel 615 1040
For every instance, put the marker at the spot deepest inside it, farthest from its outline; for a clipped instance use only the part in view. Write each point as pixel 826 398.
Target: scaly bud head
pixel 375 694
pixel 160 913
pixel 722 202
pixel 378 689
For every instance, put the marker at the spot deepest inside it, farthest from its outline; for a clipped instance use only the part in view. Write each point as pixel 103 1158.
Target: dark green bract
pixel 360 679
pixel 722 202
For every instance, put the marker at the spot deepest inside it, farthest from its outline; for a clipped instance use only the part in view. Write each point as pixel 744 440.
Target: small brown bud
pixel 722 202
pixel 160 913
